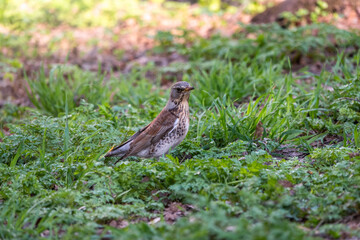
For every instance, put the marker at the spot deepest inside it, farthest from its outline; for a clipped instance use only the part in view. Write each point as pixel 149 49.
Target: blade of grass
pixel 18 153
pixel 66 144
pixel 42 150
pixel 357 137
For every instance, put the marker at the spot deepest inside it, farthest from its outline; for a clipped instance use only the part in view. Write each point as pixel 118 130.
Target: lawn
pixel 273 150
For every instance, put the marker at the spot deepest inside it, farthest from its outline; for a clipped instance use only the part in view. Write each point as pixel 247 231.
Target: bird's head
pixel 180 91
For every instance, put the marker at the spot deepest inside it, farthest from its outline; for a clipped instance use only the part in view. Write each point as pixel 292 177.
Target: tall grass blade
pixel 357 137
pixel 66 144
pixel 43 149
pixel 18 153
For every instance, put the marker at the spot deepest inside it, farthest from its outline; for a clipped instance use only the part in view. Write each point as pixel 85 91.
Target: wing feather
pixel 156 130
pixel 116 149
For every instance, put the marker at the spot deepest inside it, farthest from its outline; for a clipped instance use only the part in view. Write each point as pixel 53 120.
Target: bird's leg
pixel 158 158
pixel 165 154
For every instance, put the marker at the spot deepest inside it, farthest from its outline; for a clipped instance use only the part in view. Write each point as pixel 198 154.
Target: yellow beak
pixel 189 89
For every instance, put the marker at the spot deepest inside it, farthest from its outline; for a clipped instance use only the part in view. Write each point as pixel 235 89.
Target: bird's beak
pixel 189 89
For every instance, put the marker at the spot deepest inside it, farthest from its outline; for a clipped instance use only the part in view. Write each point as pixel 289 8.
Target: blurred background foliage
pixel 84 13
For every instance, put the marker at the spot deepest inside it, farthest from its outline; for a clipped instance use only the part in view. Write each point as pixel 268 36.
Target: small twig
pixel 319 224
pixel 352 99
pixel 348 218
pixel 109 185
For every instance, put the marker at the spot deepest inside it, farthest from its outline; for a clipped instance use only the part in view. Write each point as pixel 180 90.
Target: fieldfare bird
pixel 165 132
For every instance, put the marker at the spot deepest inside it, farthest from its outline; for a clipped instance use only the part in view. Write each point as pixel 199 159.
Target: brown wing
pixel 131 138
pixel 157 129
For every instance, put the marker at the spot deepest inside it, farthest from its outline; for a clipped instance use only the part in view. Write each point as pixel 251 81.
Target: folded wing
pixel 143 139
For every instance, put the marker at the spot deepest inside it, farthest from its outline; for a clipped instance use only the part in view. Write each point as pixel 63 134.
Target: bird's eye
pixel 178 90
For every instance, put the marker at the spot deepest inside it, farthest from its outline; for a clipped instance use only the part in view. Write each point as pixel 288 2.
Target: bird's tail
pixel 119 151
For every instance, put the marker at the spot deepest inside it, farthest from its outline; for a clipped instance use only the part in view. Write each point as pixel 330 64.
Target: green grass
pixel 55 183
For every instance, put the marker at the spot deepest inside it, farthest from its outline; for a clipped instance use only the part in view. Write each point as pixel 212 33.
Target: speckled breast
pixel 173 138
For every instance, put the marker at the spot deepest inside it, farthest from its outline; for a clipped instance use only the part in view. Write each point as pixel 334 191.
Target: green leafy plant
pixel 51 94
